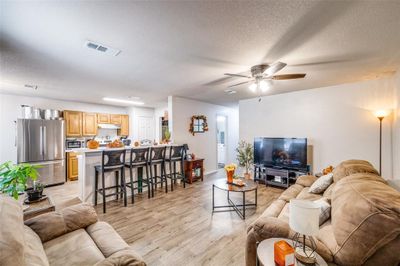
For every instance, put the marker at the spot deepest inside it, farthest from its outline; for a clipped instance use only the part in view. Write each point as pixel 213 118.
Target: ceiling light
pixel 230 91
pixel 253 87
pixel 122 101
pixel 263 86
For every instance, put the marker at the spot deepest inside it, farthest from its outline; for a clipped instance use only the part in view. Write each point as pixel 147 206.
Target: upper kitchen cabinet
pixel 89 124
pixel 115 119
pixel 124 131
pixel 73 121
pixel 103 118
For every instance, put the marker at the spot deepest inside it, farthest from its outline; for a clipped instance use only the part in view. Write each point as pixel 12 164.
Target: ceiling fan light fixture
pixel 253 87
pixel 263 86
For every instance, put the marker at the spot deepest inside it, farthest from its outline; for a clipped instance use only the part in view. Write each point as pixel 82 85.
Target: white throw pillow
pixel 325 208
pixel 321 184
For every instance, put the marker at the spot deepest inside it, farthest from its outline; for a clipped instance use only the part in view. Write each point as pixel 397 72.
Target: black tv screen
pixel 281 152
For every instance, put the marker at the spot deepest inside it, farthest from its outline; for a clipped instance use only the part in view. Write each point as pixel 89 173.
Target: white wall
pixel 336 120
pixel 203 145
pixel 396 128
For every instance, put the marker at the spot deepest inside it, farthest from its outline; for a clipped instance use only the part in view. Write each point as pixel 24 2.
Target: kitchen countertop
pixel 100 149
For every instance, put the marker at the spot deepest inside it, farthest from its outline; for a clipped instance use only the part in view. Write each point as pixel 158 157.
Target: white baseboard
pixel 210 172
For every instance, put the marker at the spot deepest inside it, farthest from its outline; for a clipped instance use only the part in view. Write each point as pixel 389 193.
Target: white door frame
pixel 226 138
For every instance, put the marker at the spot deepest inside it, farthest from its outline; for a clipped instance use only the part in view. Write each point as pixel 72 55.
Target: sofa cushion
pixel 123 257
pixel 325 210
pixel 328 192
pixel 306 180
pixel 305 195
pixel 33 252
pixel 74 248
pixel 54 224
pixel 291 192
pixel 12 239
pixel 350 167
pixel 321 184
pixel 365 217
pixel 106 239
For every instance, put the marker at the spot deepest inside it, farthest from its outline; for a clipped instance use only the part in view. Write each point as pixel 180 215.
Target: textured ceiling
pixel 183 48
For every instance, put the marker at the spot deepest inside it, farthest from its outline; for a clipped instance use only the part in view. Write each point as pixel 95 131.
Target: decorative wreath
pixel 198 124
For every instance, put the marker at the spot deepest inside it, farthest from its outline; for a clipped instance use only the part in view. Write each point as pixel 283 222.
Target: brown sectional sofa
pixel 72 236
pixel 364 228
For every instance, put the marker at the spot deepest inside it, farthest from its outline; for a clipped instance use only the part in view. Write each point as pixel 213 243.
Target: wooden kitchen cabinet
pixel 89 124
pixel 73 123
pixel 72 171
pixel 115 119
pixel 124 131
pixel 103 118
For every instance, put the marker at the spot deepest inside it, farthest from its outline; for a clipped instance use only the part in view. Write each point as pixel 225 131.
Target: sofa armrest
pixel 268 227
pixel 306 180
pixel 126 257
pixel 54 224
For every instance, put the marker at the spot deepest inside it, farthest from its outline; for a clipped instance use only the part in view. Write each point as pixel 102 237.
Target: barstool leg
pixel 175 171
pixel 96 180
pixel 116 184
pixel 183 174
pixel 103 191
pixel 148 182
pixel 132 189
pixel 152 180
pixel 164 177
pixel 155 176
pixel 123 187
pixel 170 175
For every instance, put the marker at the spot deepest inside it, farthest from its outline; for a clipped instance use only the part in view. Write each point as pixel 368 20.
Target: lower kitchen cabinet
pixel 72 170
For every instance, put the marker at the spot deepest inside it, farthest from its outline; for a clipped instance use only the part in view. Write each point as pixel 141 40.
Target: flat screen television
pixel 288 153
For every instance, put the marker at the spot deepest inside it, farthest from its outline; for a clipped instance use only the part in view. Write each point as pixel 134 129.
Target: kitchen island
pixel 88 159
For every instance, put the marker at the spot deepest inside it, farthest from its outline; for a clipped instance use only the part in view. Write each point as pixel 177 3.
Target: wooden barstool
pixel 111 161
pixel 156 158
pixel 139 158
pixel 176 155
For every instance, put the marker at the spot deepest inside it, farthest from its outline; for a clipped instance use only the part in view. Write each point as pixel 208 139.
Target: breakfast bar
pixel 87 160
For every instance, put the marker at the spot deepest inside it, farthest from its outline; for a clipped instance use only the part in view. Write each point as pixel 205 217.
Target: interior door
pixel 145 128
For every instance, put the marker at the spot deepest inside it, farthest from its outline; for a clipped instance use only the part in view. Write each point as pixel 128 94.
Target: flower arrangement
pixel 230 171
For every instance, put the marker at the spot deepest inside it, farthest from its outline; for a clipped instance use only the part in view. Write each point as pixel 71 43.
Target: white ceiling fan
pixel 262 76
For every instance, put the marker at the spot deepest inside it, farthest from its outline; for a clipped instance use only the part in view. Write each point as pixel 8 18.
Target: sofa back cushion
pixel 350 167
pixel 12 239
pixel 365 217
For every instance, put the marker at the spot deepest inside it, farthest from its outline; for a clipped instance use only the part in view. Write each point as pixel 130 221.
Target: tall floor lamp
pixel 381 114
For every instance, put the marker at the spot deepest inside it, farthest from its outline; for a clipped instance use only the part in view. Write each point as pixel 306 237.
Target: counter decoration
pixel 92 144
pixel 115 144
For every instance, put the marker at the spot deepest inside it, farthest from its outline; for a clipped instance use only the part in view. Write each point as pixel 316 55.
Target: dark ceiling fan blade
pixel 237 75
pixel 241 83
pixel 275 67
pixel 288 76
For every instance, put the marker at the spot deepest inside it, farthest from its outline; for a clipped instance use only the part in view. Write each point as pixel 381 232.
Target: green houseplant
pixel 245 156
pixel 14 178
pixel 167 136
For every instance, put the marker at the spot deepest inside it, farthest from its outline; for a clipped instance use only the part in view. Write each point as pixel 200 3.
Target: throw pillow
pixel 325 208
pixel 321 184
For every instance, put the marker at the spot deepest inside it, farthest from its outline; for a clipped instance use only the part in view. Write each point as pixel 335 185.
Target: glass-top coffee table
pixel 240 209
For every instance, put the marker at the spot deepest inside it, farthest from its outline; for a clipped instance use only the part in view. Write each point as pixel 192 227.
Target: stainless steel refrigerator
pixel 42 142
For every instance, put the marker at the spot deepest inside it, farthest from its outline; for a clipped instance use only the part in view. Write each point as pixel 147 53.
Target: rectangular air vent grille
pixel 102 48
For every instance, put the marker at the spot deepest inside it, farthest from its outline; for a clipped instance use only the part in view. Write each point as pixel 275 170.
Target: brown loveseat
pixel 364 228
pixel 72 236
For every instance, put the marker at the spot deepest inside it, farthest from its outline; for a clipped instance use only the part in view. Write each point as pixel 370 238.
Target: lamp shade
pixel 304 217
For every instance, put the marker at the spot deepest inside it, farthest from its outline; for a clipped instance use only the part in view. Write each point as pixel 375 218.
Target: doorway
pixel 221 140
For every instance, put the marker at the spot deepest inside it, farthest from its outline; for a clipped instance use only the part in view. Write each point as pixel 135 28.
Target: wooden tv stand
pixel 280 177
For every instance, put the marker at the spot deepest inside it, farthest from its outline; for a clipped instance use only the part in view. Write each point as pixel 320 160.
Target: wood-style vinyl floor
pixel 178 228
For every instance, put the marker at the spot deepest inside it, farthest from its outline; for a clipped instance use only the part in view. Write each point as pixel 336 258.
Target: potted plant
pixel 14 179
pixel 245 157
pixel 167 136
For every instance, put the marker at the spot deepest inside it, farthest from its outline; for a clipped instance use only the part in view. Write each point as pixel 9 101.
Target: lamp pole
pixel 380 144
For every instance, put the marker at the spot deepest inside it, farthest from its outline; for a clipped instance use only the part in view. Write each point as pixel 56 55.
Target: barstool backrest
pixel 139 156
pixel 113 158
pixel 157 154
pixel 176 152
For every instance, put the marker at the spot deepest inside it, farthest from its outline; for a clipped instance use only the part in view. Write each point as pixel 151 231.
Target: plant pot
pixel 247 176
pixel 34 194
pixel 229 176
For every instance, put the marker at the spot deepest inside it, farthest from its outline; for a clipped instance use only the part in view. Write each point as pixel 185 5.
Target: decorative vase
pixel 247 175
pixel 229 176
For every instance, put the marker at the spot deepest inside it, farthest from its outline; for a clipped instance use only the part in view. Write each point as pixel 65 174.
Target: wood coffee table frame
pixel 240 209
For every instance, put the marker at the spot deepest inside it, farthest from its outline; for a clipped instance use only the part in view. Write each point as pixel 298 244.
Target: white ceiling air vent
pixel 102 48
